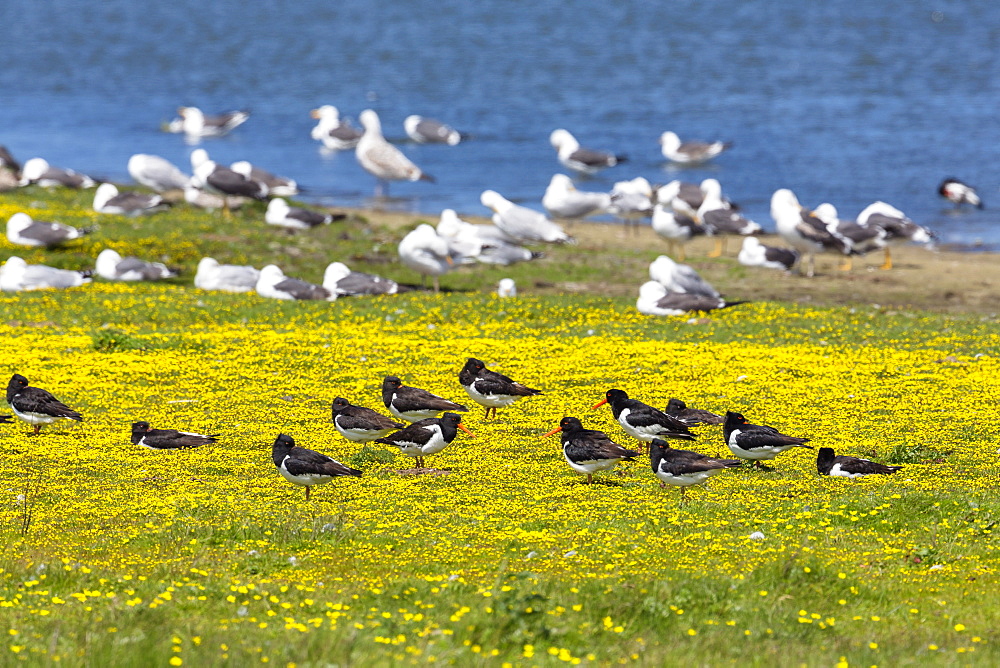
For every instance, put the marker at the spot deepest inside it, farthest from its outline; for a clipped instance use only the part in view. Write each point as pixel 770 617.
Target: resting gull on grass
pixel 221 180
pixel 655 299
pixel 339 278
pixel 277 186
pixel 225 277
pixel 113 267
pixel 157 173
pixel 682 278
pixel 563 200
pixel 107 199
pixel 17 275
pixel 521 223
pixel 756 254
pixel 273 283
pixel 23 231
pixel 296 218
pixel 39 172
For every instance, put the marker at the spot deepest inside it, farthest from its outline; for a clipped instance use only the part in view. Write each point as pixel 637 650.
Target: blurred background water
pixel 841 101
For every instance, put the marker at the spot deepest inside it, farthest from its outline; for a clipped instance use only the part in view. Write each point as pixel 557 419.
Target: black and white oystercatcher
pixel 589 450
pixel 167 439
pixel 691 416
pixel 683 468
pixel 491 389
pixel 642 420
pixel 757 442
pixel 412 403
pixel 426 437
pixel 35 405
pixel 306 467
pixel 844 466
pixel 360 424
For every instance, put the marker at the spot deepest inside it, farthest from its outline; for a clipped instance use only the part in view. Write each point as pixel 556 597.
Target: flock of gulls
pixel 677 211
pixel 424 423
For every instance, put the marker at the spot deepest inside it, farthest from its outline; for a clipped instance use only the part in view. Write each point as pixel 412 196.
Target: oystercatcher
pixel 360 424
pixel 426 437
pixel 691 416
pixel 958 193
pixel 845 466
pixel 306 467
pixel 683 468
pixel 412 403
pixel 489 388
pixel 35 405
pixel 642 420
pixel 589 450
pixel 757 442
pixel 167 439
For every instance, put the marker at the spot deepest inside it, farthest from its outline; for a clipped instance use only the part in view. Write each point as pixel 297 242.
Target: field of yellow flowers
pixel 117 555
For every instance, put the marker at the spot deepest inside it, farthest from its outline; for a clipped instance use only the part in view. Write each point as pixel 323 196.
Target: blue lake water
pixel 841 101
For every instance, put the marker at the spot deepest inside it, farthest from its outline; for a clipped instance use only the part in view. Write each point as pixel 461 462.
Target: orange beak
pixel 600 403
pixel 314 113
pixel 557 429
pixel 463 428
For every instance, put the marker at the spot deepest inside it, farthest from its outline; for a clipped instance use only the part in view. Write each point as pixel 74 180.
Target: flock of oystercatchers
pixel 587 451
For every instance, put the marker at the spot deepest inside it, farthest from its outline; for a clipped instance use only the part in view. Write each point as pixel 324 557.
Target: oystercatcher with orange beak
pixel 642 420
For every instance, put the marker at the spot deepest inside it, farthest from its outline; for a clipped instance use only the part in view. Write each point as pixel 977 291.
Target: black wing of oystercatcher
pixel 35 405
pixel 589 450
pixel 643 421
pixel 683 468
pixel 489 388
pixel 412 403
pixel 306 467
pixel 827 463
pixel 757 442
pixel 167 439
pixel 691 416
pixel 360 424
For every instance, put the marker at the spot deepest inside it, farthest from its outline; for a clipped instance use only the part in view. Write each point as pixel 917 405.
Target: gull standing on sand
pixel 225 277
pixel 23 231
pixel 17 275
pixel 655 299
pixel 718 214
pixel 860 239
pixel 113 267
pixel 584 160
pixel 522 223
pixel 336 135
pixel 802 230
pixel 157 173
pixel 426 252
pixel 429 131
pixel 273 283
pixel 690 152
pixel 898 227
pixel 563 200
pixel 383 160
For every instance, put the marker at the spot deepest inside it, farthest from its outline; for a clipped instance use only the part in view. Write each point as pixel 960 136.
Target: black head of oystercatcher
pixel 691 416
pixel 35 405
pixel 167 439
pixel 412 403
pixel 589 450
pixel 959 193
pixel 683 468
pixel 490 389
pixel 844 466
pixel 426 437
pixel 642 420
pixel 360 424
pixel 757 442
pixel 306 467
